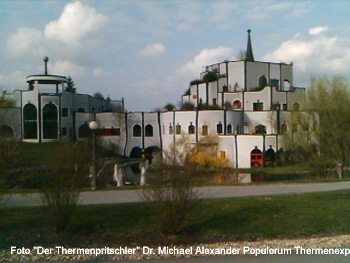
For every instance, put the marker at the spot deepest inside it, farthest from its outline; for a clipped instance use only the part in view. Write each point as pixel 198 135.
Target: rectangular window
pixel 275 83
pixel 64 131
pixel 258 106
pixel 80 110
pixel 214 101
pixel 205 131
pixel 64 112
pixel 284 106
pixel 194 96
pixel 178 129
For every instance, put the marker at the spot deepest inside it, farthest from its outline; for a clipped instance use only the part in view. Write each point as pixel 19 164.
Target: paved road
pixel 253 259
pixel 131 196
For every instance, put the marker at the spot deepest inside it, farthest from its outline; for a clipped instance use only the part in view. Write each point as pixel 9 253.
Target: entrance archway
pixel 256 158
pixel 50 121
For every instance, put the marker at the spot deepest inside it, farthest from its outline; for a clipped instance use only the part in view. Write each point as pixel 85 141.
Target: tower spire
pixel 249 53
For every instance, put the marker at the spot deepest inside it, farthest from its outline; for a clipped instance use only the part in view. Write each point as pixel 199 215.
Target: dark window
pixel 214 101
pixel 191 129
pixel 64 112
pixel 178 129
pixel 262 82
pixel 117 131
pixel 136 131
pixel 80 110
pixel 219 128
pixel 50 122
pixel 149 130
pixel 205 130
pixel 260 129
pixel 171 129
pixel 30 122
pixel 6 132
pixel 258 106
pixel 84 131
pixel 64 131
pixel 225 88
pixel 284 106
pixel 229 129
pixel 275 83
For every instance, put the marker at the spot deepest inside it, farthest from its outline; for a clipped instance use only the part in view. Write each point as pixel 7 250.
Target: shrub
pixel 65 173
pixel 172 193
pixel 210 76
pixel 188 106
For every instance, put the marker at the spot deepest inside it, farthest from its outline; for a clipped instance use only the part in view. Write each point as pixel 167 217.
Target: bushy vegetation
pixel 65 173
pixel 321 135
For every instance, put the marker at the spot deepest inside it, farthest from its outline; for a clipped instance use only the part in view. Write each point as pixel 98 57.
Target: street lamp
pixel 93 125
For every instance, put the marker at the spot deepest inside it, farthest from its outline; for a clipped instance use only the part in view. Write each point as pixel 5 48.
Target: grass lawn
pixel 213 220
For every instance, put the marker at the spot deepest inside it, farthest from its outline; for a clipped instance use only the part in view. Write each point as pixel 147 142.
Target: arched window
pixel 260 129
pixel 262 82
pixel 205 130
pixel 270 157
pixel 237 104
pixel 6 132
pixel 229 129
pixel 84 131
pixel 296 106
pixel 284 127
pixel 191 129
pixel 136 131
pixel 171 129
pixel 149 130
pixel 178 129
pixel 30 122
pixel 219 128
pixel 50 121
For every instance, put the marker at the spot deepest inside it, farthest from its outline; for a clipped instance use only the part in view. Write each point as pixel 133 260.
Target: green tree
pixel 169 107
pixel 98 95
pixel 321 134
pixel 70 85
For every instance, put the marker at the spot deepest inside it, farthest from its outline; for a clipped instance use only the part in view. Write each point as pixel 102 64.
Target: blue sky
pixel 148 51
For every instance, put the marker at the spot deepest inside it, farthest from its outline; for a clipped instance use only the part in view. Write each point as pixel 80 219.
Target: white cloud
pixel 205 57
pixel 26 41
pixel 321 51
pixel 317 30
pixel 77 23
pixel 264 10
pixel 99 72
pixel 152 50
pixel 65 67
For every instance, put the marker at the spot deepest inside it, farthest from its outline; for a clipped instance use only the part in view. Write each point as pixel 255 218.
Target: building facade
pixel 246 105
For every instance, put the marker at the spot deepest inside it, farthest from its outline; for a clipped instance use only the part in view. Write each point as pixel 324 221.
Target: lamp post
pixel 93 125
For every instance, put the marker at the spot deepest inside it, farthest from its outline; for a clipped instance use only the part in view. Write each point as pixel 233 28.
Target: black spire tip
pixel 249 53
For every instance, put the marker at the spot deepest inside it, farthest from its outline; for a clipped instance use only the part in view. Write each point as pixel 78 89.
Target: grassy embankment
pixel 217 220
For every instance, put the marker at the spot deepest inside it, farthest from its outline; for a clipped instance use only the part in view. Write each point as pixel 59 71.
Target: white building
pixel 247 104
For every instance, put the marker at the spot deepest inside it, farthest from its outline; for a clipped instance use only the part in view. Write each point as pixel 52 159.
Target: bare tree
pixel 65 172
